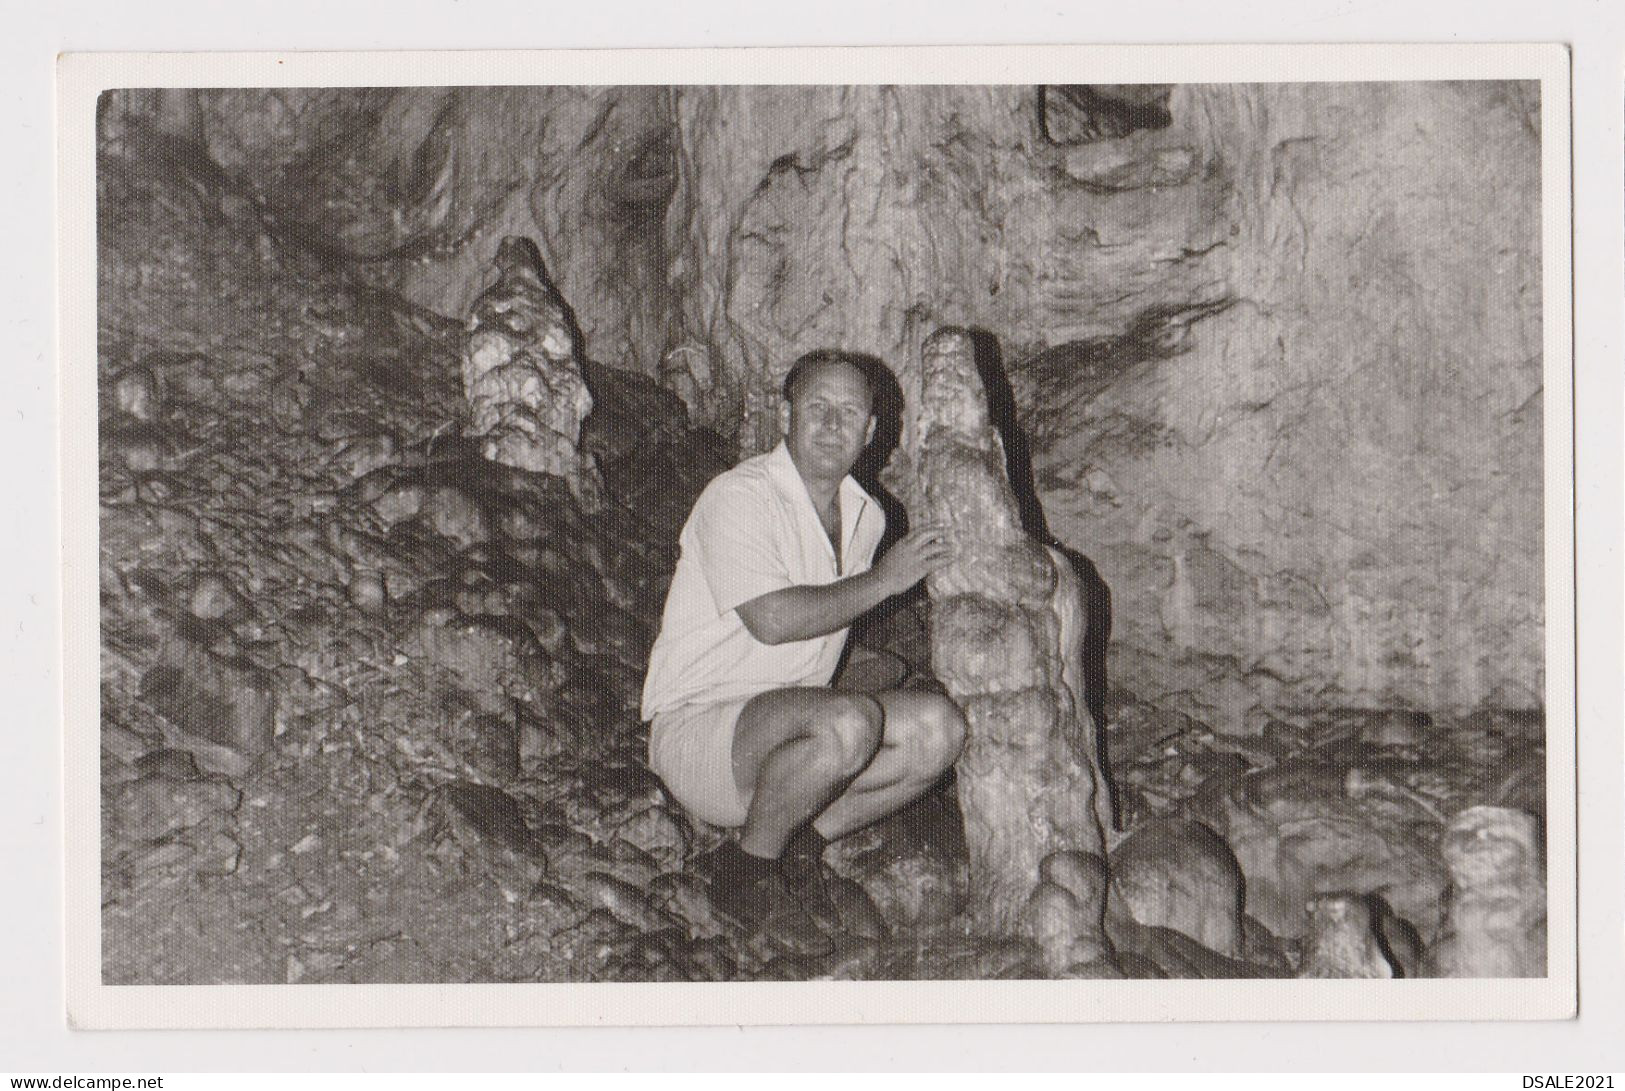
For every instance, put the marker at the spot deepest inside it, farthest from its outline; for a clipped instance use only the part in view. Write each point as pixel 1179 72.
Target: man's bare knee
pixel 936 734
pixel 847 732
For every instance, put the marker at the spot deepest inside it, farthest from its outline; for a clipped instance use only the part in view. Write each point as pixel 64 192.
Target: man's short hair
pixel 864 364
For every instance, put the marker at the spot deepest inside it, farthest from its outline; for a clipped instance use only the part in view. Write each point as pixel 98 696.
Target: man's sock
pixel 741 866
pixel 806 848
pixel 803 870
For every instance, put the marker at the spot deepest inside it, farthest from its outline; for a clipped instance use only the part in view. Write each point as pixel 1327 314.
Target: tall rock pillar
pixel 1007 630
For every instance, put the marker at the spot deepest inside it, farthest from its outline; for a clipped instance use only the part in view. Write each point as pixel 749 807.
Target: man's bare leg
pixel 922 735
pixel 847 758
pixel 794 752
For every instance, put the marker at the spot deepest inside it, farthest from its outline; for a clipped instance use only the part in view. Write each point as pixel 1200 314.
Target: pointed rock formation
pixel 1496 922
pixel 1007 629
pixel 522 373
pixel 1343 939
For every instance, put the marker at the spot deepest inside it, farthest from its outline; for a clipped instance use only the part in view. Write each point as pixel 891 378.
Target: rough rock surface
pixel 1343 805
pixel 912 865
pixel 370 699
pixel 1066 912
pixel 414 187
pixel 522 374
pixel 1007 636
pixel 1212 300
pixel 1277 349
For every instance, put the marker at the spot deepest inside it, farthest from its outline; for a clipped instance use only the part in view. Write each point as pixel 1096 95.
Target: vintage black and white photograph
pixel 920 531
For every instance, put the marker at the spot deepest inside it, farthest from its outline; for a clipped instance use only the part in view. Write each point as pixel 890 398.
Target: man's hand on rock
pixel 915 556
pixel 811 610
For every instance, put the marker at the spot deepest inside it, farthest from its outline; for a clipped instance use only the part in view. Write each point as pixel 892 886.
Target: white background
pixel 33 1035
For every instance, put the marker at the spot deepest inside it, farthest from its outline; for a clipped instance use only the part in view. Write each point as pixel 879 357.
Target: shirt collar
pixel 854 499
pixel 788 478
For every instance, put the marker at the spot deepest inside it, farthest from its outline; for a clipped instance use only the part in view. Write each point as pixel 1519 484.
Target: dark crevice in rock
pixel 1063 380
pixel 1083 113
pixel 644 184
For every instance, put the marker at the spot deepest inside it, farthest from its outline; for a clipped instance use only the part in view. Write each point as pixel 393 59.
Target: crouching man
pixel 746 731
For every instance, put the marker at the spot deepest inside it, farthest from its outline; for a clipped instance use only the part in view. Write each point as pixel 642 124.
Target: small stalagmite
pixel 1343 939
pixel 1064 916
pixel 1007 630
pixel 522 374
pixel 1179 874
pixel 1495 925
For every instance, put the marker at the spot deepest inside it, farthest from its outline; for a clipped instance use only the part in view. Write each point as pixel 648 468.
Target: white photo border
pixel 81 79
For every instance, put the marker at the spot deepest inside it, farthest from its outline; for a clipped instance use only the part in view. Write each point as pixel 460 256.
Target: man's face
pixel 828 421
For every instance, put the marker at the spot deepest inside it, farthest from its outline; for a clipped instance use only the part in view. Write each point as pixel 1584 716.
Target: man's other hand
pixel 915 556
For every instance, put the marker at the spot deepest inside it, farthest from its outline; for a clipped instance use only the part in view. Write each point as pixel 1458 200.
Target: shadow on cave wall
pixel 1083 113
pixel 888 410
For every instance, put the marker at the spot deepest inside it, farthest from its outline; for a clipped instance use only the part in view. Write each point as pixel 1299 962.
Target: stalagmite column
pixel 522 374
pixel 1342 940
pixel 1007 627
pixel 1496 923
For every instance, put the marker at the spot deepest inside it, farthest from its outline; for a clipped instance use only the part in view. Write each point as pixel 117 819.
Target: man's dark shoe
pixel 750 893
pixel 802 866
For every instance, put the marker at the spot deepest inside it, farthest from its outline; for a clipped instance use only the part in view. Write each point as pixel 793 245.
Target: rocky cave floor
pixel 370 701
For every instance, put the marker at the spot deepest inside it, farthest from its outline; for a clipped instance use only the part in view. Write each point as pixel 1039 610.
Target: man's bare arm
pixel 812 610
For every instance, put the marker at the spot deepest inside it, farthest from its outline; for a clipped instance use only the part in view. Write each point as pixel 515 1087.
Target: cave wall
pixel 865 216
pixel 413 189
pixel 1334 493
pixel 1277 353
pixel 1275 349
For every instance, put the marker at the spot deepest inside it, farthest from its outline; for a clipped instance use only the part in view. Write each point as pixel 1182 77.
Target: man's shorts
pixel 691 750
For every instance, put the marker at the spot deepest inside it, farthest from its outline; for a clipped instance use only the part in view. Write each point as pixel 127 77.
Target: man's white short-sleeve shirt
pixel 753 530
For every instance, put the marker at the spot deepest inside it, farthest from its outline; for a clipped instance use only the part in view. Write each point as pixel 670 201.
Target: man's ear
pixel 869 433
pixel 784 418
